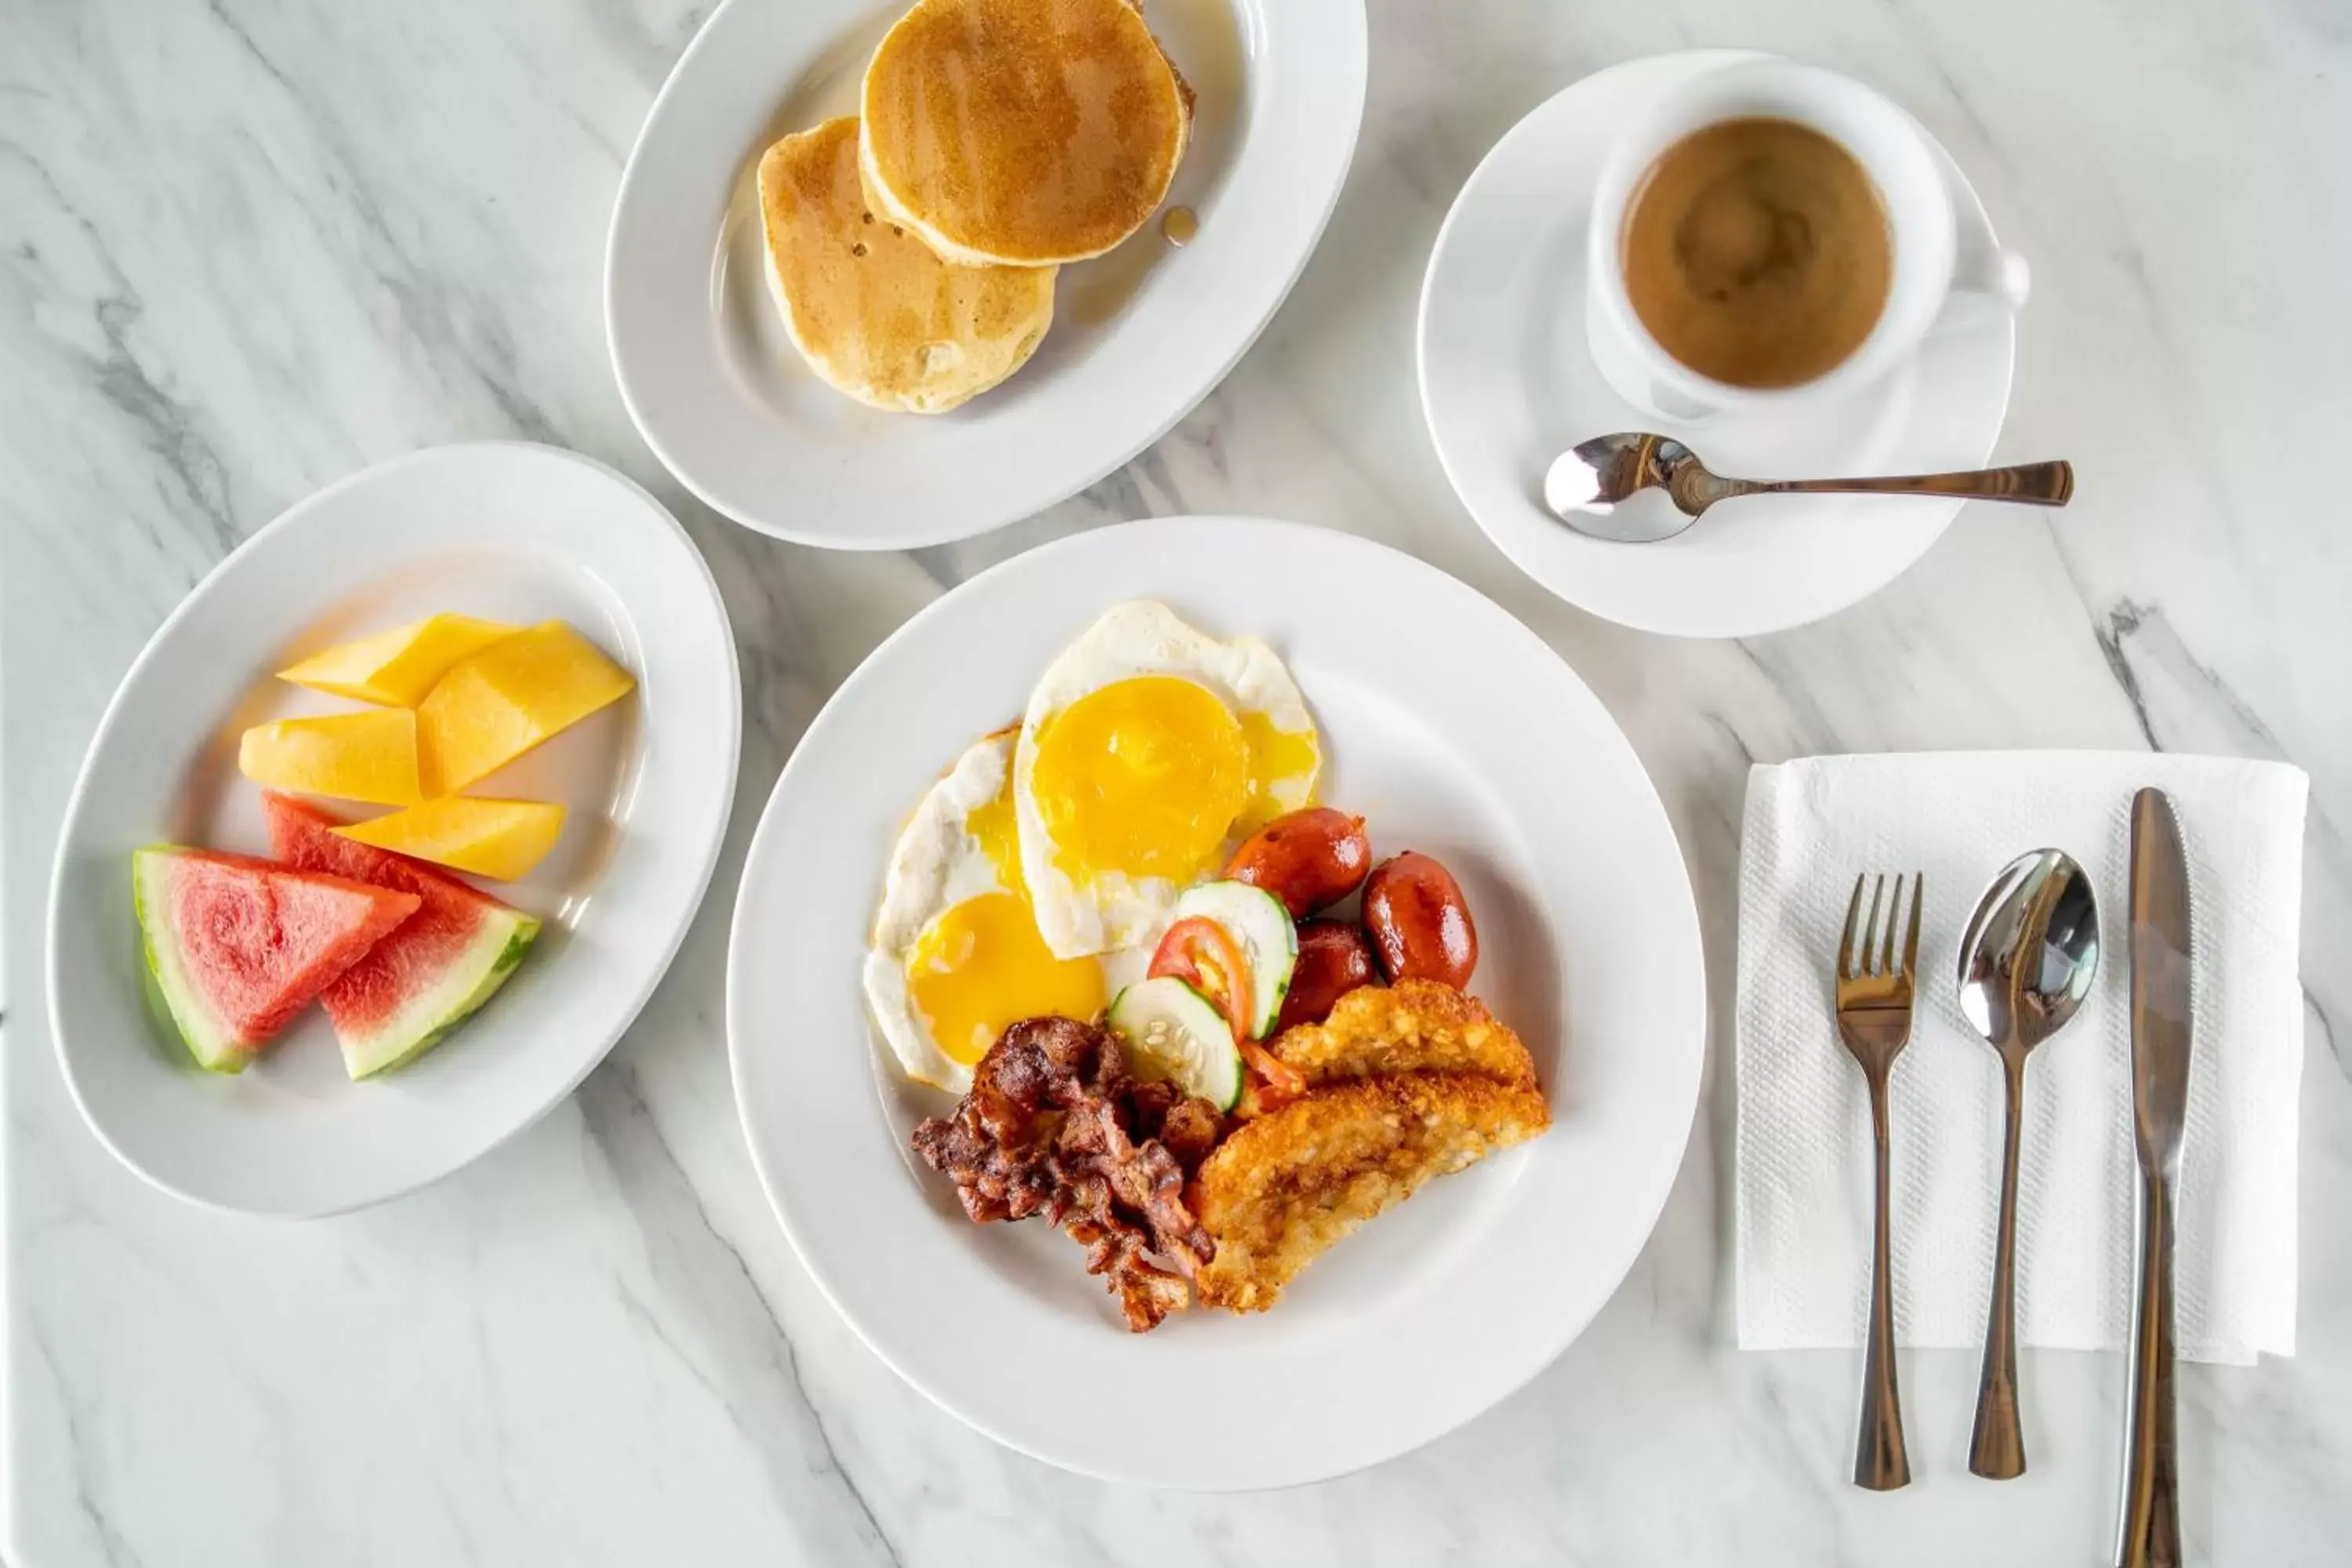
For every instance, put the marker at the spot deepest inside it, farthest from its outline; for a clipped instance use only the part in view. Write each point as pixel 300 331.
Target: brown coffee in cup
pixel 1758 252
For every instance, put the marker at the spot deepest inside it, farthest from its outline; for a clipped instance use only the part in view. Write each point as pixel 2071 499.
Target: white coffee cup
pixel 1902 160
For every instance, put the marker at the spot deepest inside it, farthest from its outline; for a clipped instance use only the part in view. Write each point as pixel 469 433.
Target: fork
pixel 1874 1019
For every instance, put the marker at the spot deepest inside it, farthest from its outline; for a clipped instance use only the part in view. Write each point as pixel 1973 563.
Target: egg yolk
pixel 981 967
pixel 1144 776
pixel 998 830
pixel 1275 757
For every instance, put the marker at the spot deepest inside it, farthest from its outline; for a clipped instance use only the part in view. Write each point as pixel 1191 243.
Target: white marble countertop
pixel 246 249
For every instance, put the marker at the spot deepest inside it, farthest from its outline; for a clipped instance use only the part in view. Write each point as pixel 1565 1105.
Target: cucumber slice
pixel 1172 1031
pixel 1256 919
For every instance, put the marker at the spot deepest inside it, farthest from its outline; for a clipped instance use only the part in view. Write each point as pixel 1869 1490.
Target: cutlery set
pixel 2026 962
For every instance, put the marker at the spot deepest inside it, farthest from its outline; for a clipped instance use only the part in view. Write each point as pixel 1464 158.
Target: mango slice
pixel 498 704
pixel 397 668
pixel 502 839
pixel 369 756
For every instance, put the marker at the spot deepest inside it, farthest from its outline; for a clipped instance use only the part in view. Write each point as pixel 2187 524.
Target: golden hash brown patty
pixel 1414 1025
pixel 1288 1186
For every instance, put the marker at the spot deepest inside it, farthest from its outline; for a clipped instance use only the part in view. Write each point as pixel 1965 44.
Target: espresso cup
pixel 1902 162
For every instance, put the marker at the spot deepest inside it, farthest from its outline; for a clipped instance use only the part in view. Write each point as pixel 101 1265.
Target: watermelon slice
pixel 422 981
pixel 235 947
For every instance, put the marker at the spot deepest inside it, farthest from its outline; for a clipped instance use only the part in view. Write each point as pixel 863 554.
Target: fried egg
pixel 1148 751
pixel 955 956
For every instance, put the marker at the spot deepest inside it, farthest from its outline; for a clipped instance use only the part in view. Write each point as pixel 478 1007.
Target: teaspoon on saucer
pixel 2026 962
pixel 1586 483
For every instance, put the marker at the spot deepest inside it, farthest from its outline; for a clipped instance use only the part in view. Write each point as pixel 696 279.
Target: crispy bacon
pixel 1054 1124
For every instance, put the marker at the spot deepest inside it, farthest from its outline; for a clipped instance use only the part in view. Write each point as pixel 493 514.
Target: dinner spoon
pixel 2026 962
pixel 1585 484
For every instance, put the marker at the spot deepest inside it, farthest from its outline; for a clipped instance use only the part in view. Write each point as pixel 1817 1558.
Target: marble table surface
pixel 246 248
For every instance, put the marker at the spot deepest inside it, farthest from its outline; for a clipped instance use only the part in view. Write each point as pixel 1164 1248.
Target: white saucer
pixel 498 529
pixel 1508 382
pixel 1140 336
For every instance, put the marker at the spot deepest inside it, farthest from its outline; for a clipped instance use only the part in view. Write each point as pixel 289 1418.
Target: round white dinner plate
pixel 500 530
pixel 1454 731
pixel 1507 383
pixel 1138 337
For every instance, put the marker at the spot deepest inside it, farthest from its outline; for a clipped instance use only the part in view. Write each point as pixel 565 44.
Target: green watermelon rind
pixel 213 1046
pixel 403 1038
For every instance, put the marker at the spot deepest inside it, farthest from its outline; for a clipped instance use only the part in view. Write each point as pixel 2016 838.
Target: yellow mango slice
pixel 369 756
pixel 497 838
pixel 397 668
pixel 495 706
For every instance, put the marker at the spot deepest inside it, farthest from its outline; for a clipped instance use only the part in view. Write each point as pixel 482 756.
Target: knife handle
pixel 2151 1531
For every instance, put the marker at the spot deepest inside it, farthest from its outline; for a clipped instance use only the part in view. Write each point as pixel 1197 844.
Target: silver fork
pixel 1874 1019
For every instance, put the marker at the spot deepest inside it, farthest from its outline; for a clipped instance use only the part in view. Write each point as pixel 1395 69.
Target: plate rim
pixel 293 515
pixel 1966 195
pixel 1357 44
pixel 1688 939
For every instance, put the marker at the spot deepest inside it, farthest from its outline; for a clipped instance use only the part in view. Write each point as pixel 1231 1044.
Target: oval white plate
pixel 719 393
pixel 511 531
pixel 1507 383
pixel 1468 739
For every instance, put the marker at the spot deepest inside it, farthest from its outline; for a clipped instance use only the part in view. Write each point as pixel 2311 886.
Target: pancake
pixel 1023 132
pixel 870 308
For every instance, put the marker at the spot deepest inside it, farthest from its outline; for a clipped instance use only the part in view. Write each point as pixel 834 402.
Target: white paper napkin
pixel 1804 1204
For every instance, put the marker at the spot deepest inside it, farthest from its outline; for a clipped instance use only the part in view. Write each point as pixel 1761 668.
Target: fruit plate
pixel 503 530
pixel 719 393
pixel 1468 739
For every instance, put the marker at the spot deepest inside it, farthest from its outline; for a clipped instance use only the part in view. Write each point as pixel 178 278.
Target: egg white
pixel 937 864
pixel 1138 637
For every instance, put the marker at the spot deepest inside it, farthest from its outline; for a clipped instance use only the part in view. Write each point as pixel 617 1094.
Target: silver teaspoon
pixel 1587 484
pixel 2026 962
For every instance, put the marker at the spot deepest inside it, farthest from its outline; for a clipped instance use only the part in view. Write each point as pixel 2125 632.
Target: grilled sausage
pixel 1334 958
pixel 1309 859
pixel 1418 922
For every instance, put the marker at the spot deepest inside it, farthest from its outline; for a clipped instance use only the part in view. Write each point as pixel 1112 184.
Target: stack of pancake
pixel 913 248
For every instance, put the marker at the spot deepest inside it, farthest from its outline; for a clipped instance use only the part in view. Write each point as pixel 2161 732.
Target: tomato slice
pixel 1279 1082
pixel 1204 954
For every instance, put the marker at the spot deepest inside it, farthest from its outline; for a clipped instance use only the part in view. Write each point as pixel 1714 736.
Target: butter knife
pixel 2160 1043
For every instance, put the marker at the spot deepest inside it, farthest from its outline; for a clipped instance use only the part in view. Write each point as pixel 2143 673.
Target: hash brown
pixel 1285 1187
pixel 1412 1027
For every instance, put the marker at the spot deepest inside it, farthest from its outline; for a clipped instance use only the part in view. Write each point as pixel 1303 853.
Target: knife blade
pixel 2160 1042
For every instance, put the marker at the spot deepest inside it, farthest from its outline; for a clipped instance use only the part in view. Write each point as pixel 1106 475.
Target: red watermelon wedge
pixel 417 984
pixel 235 947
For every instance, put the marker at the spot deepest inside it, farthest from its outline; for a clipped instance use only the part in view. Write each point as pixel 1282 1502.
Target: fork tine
pixel 1911 940
pixel 1893 919
pixel 1870 926
pixel 1845 940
